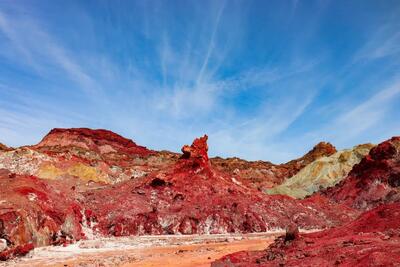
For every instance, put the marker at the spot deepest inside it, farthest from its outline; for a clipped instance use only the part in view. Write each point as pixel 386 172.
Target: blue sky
pixel 264 79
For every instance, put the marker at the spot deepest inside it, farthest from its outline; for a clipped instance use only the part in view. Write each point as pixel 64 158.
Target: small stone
pixel 3 244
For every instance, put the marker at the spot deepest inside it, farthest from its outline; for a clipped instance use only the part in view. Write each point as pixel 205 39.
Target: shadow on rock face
pixel 292 233
pixel 157 182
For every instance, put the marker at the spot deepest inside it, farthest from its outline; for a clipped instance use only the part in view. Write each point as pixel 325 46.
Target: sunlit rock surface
pixel 263 175
pixel 4 147
pixel 373 239
pixel 192 197
pixel 374 181
pixel 324 172
pixel 34 212
pixel 94 156
pixel 82 183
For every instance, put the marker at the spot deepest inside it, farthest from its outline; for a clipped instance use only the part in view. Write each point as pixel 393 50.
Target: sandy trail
pixel 146 251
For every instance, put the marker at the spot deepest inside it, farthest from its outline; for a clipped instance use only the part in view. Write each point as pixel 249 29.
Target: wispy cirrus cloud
pixel 262 84
pixel 367 113
pixel 383 43
pixel 36 47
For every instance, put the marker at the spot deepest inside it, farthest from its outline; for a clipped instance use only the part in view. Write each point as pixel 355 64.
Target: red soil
pixel 371 240
pixel 187 195
pixel 192 197
pixel 192 194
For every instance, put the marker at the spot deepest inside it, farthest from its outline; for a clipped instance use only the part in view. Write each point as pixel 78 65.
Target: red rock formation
pixel 375 180
pixel 263 174
pixel 192 197
pixel 371 240
pixel 197 152
pixel 320 150
pixel 100 141
pixel 91 155
pixel 36 213
pixel 4 147
pixel 100 180
pixel 16 251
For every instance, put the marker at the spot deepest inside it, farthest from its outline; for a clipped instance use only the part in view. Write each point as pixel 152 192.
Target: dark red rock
pixel 197 152
pixel 193 197
pixel 17 251
pixel 371 240
pixel 292 233
pixel 375 180
pixel 263 174
pixel 4 147
pixel 102 141
pixel 36 213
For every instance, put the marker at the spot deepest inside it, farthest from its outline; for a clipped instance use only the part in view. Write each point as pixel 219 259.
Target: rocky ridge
pixel 4 147
pixel 322 173
pixel 192 197
pixel 80 196
pixel 374 181
pixel 81 183
pixel 94 156
pixel 263 175
pixel 373 239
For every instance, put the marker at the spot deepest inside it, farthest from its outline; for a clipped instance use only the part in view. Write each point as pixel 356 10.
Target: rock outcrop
pixel 79 183
pixel 93 156
pixel 4 147
pixel 263 175
pixel 371 240
pixel 322 149
pixel 197 152
pixel 322 173
pixel 192 197
pixel 99 141
pixel 36 213
pixel 375 180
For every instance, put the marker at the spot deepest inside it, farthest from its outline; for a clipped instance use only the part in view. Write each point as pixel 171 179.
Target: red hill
pixel 375 180
pixel 192 197
pixel 101 141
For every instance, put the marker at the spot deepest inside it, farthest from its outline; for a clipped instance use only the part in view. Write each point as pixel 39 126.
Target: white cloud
pixel 181 90
pixel 37 47
pixel 355 121
pixel 383 43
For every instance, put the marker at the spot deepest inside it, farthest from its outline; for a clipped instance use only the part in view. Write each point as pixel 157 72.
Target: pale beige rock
pixel 322 173
pixel 3 244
